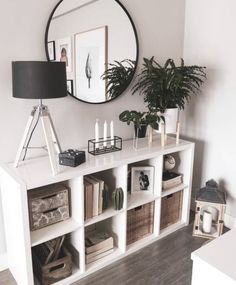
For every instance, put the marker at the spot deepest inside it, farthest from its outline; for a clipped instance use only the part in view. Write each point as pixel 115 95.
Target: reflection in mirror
pixel 98 42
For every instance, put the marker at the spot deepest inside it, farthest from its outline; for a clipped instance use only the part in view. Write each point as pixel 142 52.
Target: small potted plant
pixel 168 87
pixel 140 120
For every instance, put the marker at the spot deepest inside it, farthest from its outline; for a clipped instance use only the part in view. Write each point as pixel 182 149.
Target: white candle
pixel 207 222
pixel 112 133
pixel 105 134
pixel 97 133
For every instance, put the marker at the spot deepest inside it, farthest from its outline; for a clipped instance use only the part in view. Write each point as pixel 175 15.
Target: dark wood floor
pixel 165 262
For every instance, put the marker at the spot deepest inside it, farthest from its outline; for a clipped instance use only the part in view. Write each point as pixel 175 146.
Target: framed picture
pixel 70 86
pixel 52 50
pixel 90 64
pixel 64 52
pixel 142 178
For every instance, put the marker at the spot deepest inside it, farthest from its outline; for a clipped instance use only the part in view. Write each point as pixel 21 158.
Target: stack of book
pixel 93 194
pixel 171 179
pixel 97 245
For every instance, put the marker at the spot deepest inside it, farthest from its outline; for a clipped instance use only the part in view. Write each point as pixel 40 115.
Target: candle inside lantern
pixel 112 133
pixel 207 222
pixel 105 134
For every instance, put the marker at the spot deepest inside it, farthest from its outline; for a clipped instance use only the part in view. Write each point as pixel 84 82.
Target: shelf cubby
pixel 76 270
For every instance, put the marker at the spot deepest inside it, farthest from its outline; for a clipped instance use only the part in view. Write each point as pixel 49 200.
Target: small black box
pixel 71 157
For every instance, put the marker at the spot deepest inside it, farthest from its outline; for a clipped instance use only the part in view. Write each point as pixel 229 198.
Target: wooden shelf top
pixel 37 172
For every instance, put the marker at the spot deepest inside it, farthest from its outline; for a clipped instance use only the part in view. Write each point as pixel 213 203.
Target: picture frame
pixel 90 64
pixel 52 50
pixel 64 52
pixel 70 86
pixel 142 179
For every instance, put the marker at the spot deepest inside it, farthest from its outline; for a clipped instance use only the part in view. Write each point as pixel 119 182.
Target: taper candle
pixel 105 134
pixel 97 133
pixel 112 133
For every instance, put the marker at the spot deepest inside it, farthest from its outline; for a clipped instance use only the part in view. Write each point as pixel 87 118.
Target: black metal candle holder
pixel 112 144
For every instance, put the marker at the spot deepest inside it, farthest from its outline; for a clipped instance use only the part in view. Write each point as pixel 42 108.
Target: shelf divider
pixel 53 231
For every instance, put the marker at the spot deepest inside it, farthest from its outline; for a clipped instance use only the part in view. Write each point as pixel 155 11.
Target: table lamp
pixel 39 80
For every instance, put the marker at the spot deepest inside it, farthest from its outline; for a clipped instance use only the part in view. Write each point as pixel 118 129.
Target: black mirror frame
pixel 136 39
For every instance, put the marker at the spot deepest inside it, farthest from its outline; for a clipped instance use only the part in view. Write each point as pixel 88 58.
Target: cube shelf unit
pixel 113 168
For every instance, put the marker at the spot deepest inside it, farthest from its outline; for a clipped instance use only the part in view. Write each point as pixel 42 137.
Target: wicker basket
pixel 140 222
pixel 171 209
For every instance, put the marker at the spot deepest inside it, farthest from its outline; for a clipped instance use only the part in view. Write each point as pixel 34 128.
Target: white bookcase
pixel 113 168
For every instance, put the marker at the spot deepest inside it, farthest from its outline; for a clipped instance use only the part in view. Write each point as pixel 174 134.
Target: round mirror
pixel 98 42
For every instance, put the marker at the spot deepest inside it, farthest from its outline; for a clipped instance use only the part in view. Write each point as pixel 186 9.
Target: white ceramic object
pixel 207 222
pixel 171 117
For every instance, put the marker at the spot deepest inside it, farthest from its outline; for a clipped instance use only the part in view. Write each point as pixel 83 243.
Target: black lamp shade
pixel 39 79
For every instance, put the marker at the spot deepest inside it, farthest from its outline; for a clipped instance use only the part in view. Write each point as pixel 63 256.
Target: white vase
pixel 171 118
pixel 207 222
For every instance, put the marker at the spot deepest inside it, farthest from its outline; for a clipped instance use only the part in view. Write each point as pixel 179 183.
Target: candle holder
pixel 104 146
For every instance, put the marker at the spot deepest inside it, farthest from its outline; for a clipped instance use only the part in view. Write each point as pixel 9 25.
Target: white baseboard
pixel 229 221
pixel 3 262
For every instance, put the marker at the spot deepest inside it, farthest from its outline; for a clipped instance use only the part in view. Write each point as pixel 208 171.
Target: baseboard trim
pixel 3 262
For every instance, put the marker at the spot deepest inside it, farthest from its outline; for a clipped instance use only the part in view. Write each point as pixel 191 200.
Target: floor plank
pixel 165 262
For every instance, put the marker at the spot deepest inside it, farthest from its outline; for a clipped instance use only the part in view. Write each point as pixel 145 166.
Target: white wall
pixel 160 25
pixel 210 40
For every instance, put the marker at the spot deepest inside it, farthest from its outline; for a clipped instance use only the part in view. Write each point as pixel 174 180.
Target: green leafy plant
pixel 141 118
pixel 118 77
pixel 168 86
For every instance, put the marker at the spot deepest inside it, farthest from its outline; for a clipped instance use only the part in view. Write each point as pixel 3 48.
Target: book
pixel 95 241
pixel 95 185
pixel 171 179
pixel 101 188
pixel 88 200
pixel 89 259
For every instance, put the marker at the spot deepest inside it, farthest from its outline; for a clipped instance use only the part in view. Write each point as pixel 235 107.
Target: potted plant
pixel 140 120
pixel 169 86
pixel 118 77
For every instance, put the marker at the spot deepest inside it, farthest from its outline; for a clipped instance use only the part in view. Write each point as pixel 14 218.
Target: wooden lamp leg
pixel 177 132
pixel 163 133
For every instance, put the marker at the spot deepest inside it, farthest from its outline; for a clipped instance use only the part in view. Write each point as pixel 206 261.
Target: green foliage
pixel 168 86
pixel 118 77
pixel 141 118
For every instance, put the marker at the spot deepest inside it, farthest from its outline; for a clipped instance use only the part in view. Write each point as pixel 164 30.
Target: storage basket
pixel 140 222
pixel 48 205
pixel 54 271
pixel 171 209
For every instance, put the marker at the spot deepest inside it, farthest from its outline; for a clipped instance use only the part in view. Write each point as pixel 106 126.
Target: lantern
pixel 210 208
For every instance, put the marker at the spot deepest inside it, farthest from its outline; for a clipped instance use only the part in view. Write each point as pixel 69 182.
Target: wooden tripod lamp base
pixel 51 139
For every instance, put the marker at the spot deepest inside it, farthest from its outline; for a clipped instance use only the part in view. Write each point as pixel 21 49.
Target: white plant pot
pixel 171 117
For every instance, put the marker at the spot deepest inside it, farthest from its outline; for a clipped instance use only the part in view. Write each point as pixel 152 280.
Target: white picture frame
pixel 90 63
pixel 51 51
pixel 64 52
pixel 142 179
